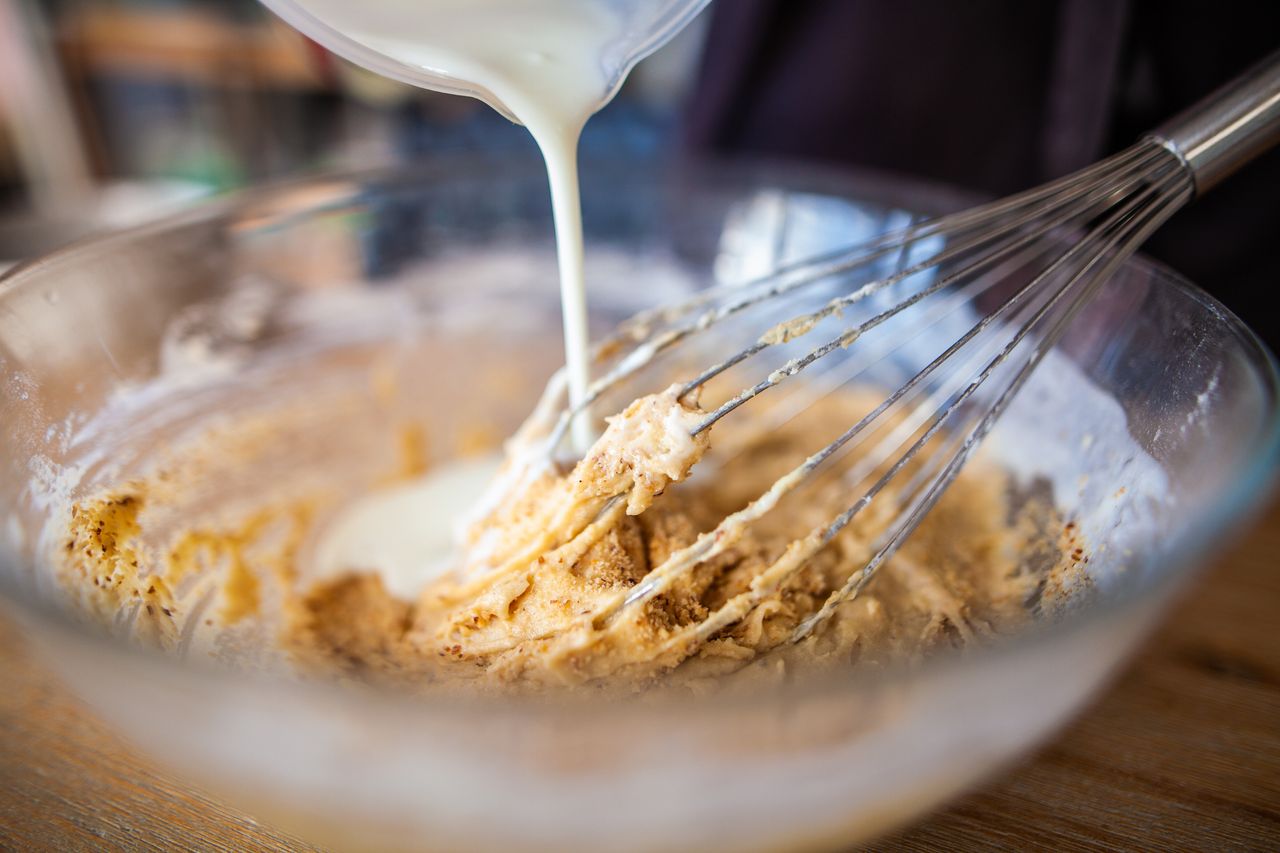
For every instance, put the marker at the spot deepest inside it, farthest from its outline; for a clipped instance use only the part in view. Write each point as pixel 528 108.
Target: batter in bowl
pixel 518 604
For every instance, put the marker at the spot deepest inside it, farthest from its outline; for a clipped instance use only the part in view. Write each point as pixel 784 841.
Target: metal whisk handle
pixel 1224 131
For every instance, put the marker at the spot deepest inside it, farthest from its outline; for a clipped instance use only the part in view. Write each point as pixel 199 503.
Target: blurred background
pixel 115 111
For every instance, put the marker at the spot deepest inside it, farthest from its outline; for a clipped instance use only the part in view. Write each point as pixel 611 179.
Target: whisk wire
pixel 1124 227
pixel 1076 194
pixel 1006 248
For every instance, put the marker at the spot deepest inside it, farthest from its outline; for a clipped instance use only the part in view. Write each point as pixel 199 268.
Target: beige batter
pixel 535 600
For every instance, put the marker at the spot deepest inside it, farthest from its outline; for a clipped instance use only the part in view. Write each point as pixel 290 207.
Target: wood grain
pixel 1182 753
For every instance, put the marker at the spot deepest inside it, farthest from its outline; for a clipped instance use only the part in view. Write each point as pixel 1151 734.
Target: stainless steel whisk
pixel 1060 242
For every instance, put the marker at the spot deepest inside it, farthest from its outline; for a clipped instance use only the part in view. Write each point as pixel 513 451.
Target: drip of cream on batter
pixel 405 533
pixel 543 60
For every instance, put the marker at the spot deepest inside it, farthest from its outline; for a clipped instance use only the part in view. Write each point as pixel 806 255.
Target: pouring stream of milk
pixel 550 64
pixel 543 60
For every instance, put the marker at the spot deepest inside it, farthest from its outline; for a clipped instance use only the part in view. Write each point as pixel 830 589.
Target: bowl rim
pixel 1241 504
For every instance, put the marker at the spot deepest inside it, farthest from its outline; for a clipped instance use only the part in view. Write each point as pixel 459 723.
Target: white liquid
pixel 406 534
pixel 542 59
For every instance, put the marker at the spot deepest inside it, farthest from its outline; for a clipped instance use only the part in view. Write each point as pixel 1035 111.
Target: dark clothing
pixel 997 96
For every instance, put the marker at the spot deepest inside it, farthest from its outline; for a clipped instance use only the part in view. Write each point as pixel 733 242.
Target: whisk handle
pixel 1229 128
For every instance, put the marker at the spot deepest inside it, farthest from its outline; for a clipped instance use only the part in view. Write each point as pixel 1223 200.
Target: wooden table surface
pixel 1183 752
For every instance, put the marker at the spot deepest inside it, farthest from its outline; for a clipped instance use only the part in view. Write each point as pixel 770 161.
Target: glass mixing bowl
pixel 1153 424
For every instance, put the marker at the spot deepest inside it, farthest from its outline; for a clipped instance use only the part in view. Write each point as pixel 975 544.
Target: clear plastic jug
pixel 637 29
